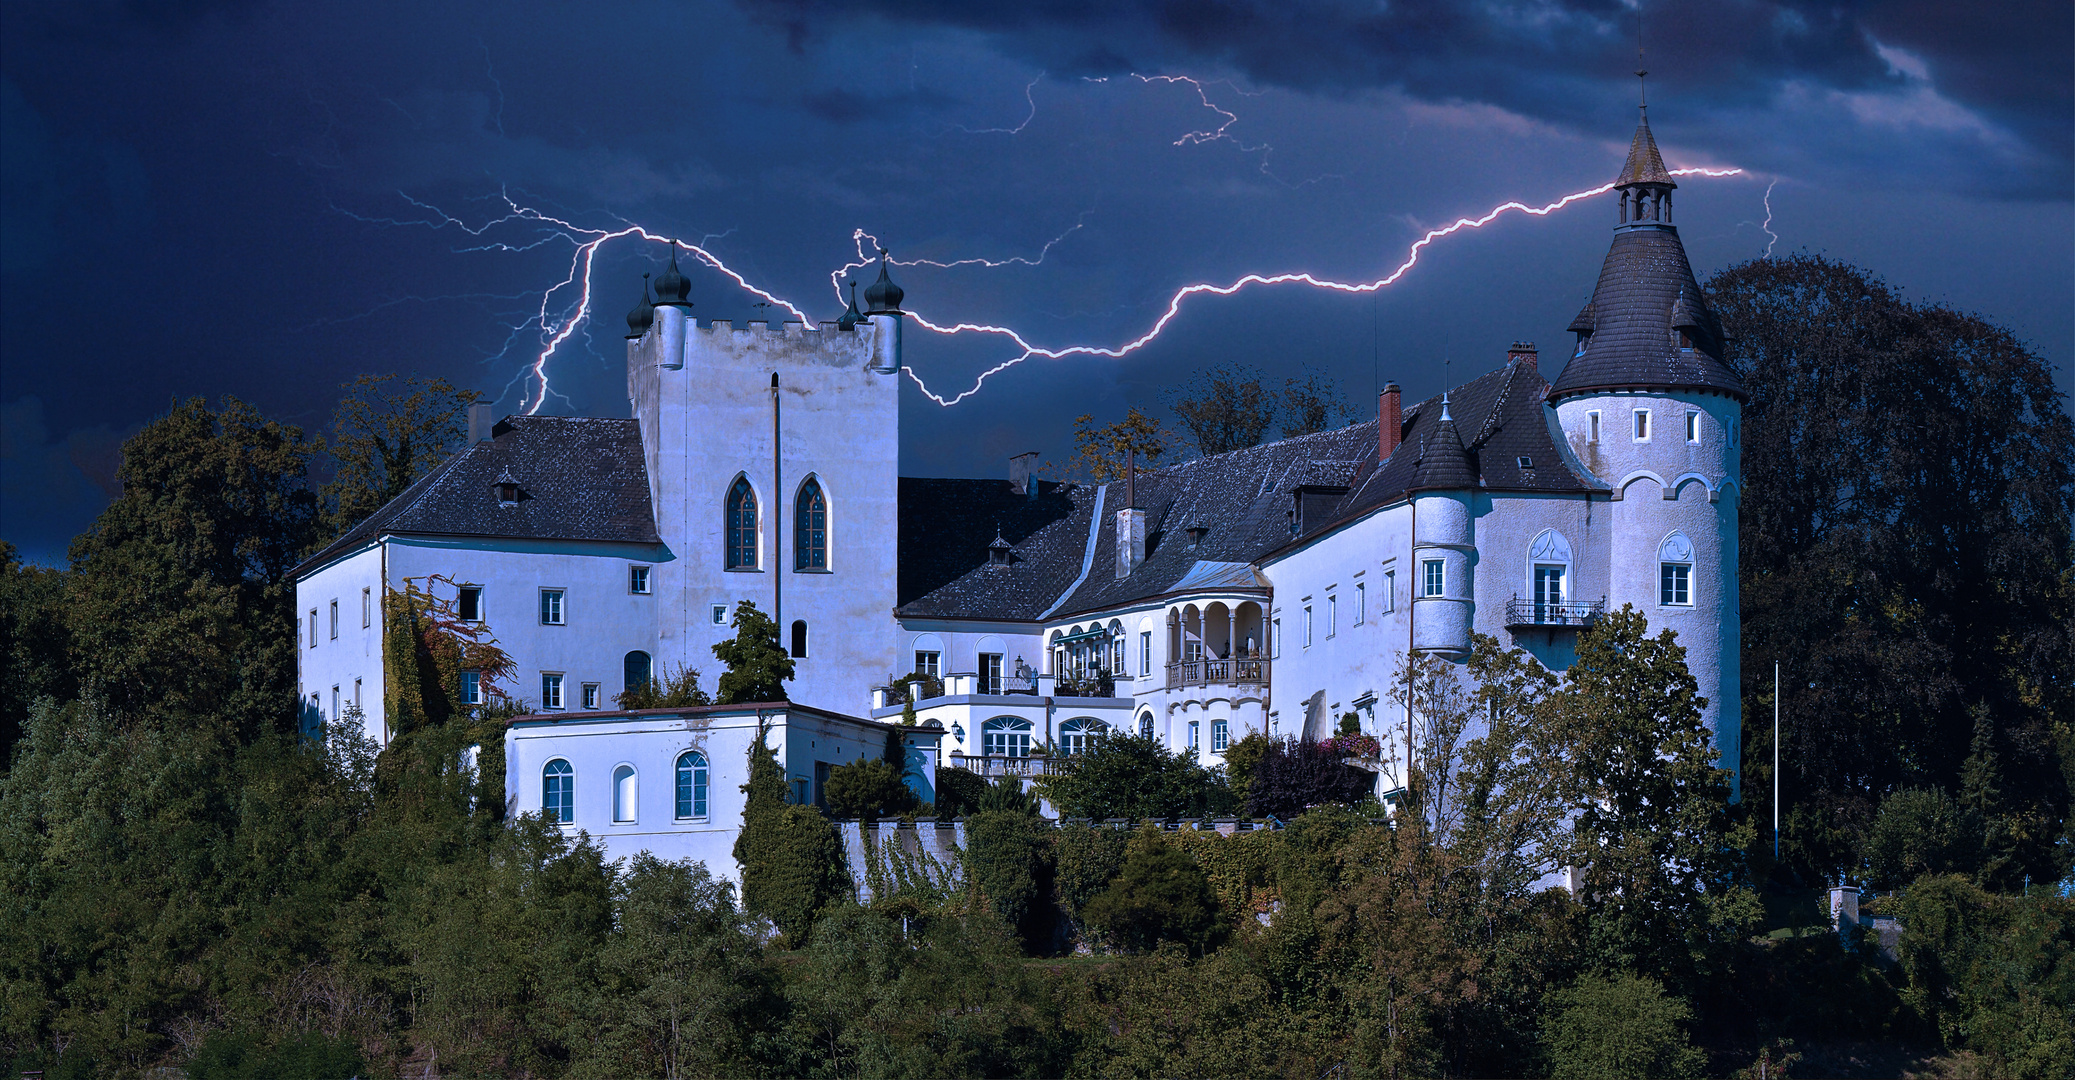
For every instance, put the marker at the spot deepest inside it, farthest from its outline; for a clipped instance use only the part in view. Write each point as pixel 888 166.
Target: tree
pixel 387 433
pixel 758 667
pixel 1921 831
pixel 1650 823
pixel 33 644
pixel 1007 867
pixel 179 601
pixel 959 791
pixel 867 789
pixel 792 863
pixel 1229 410
pixel 1623 1026
pixel 1294 776
pixel 1159 895
pixel 1129 776
pixel 1241 759
pixel 1312 405
pixel 676 690
pixel 1904 535
pixel 1102 453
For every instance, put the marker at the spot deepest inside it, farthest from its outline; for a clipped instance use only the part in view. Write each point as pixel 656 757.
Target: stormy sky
pixel 266 200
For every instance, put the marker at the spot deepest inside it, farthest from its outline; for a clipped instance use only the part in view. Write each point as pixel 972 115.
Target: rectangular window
pixel 550 690
pixel 1675 585
pixel 591 695
pixel 929 662
pixel 1219 733
pixel 637 580
pixel 1332 615
pixel 720 614
pixel 1592 426
pixel 551 607
pixel 1390 591
pixel 1434 578
pixel 990 673
pixel 1642 425
pixel 356 694
pixel 367 608
pixel 471 688
pixel 335 620
pixel 1692 427
pixel 334 702
pixel 469 605
pixel 313 628
pixel 1361 602
pixel 1145 652
pixel 1194 727
pixel 1275 647
pixel 1307 626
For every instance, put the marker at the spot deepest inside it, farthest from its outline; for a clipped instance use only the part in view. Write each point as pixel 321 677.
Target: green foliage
pixel 1241 759
pixel 758 667
pixel 1102 453
pixel 677 690
pixel 959 791
pixel 1993 974
pixel 867 789
pixel 33 643
pixel 1085 859
pixel 1904 538
pixel 1128 776
pixel 227 1056
pixel 1007 867
pixel 1623 1026
pixel 1006 795
pixel 1160 895
pixel 426 645
pixel 387 432
pixel 792 862
pixel 1921 831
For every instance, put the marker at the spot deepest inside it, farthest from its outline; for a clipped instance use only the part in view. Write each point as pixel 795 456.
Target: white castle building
pixel 1272 589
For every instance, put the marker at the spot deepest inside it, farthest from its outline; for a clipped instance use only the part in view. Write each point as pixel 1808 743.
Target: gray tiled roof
pixel 580 478
pixel 1645 165
pixel 947 525
pixel 1645 293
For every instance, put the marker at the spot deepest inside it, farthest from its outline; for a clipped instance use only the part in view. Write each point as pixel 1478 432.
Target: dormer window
pixel 507 493
pixel 1526 463
pixel 1685 340
pixel 998 552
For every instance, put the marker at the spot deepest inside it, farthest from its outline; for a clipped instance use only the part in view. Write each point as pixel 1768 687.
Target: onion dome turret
pixel 644 314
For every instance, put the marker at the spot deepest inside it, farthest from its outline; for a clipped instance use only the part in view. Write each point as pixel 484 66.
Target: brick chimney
pixel 1390 421
pixel 1523 350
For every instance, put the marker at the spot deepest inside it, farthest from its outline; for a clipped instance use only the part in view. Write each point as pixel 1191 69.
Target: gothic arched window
pixel 742 526
pixel 811 528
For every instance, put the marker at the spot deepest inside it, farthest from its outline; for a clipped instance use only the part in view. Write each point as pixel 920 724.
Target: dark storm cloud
pixel 1993 80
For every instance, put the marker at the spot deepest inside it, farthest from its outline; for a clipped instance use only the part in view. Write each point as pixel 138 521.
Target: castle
pixel 1272 589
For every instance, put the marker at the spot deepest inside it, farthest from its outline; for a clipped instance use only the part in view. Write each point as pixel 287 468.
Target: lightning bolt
pixel 1174 303
pixel 1771 237
pixel 864 257
pixel 1018 129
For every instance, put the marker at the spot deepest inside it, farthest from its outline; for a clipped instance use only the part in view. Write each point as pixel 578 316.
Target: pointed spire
pixel 883 297
pixel 1443 463
pixel 644 314
pixel 1645 165
pixel 850 317
pixel 673 286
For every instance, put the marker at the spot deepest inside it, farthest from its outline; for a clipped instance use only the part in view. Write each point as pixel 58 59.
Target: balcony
pixel 1217 673
pixel 1524 614
pixel 992 765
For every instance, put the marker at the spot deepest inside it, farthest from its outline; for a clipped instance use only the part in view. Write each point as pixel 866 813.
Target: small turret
pixel 643 316
pixel 883 302
pixel 673 287
pixel 850 317
pixel 883 297
pixel 1443 463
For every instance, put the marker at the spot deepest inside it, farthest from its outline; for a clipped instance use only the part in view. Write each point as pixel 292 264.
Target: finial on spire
pixel 1642 75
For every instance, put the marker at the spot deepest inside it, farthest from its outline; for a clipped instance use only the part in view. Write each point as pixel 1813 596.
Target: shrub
pixel 1921 831
pixel 1126 776
pixel 1160 895
pixel 1086 859
pixel 1294 776
pixel 959 792
pixel 868 790
pixel 244 1056
pixel 1006 865
pixel 1623 1026
pixel 792 862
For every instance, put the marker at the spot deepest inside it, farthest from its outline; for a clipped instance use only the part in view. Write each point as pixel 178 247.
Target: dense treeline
pixel 185 881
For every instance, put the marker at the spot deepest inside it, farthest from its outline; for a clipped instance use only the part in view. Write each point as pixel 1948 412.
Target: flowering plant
pixel 1354 745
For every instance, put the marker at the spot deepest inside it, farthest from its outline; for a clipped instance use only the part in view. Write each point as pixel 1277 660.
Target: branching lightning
pixel 1771 237
pixel 1174 303
pixel 1028 99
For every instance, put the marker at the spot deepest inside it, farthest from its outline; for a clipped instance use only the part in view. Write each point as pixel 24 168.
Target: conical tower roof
pixel 1443 462
pixel 1645 165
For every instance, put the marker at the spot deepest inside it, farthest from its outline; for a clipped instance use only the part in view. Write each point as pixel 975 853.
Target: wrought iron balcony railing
pixel 1521 613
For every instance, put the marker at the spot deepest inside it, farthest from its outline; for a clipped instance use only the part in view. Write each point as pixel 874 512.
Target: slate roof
pixel 947 525
pixel 1645 296
pixel 580 478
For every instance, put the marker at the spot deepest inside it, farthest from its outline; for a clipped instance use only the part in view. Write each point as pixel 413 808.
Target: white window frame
pixel 1592 426
pixel 471 688
pixel 1307 628
pixel 356 695
pixel 626 794
pixel 1275 636
pixel 1390 591
pixel 593 694
pixel 1332 616
pixel 1195 735
pixel 462 593
pixel 1682 574
pixel 1692 426
pixel 930 662
pixel 640 580
pixel 313 628
pixel 1433 580
pixel 1640 426
pixel 1220 735
pixel 335 619
pixel 1145 652
pixel 1361 602
pixel 551 696
pixel 720 614
pixel 554 606
pixel 367 607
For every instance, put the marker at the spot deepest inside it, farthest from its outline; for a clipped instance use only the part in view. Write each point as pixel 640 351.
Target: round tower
pixel 1650 407
pixel 1444 542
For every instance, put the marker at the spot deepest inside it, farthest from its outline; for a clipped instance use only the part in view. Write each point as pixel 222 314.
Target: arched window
pixel 625 793
pixel 799 638
pixel 1675 571
pixel 1549 569
pixel 742 526
pixel 1005 736
pixel 1079 735
pixel 637 671
pixel 811 528
pixel 1145 725
pixel 691 784
pixel 558 792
